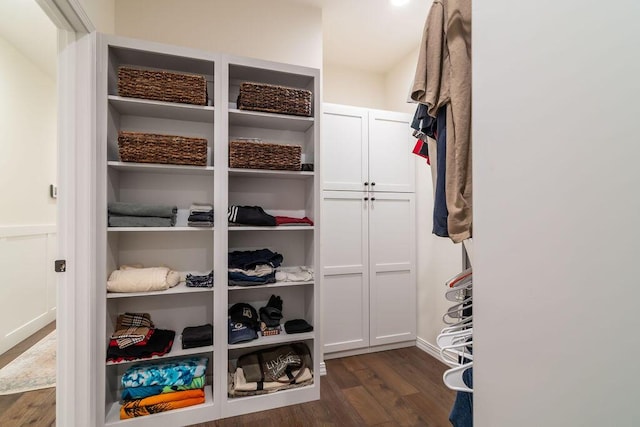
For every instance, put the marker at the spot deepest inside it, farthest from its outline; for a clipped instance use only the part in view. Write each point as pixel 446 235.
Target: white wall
pixel 344 85
pixel 28 134
pixel 556 206
pixel 277 30
pixel 397 82
pixel 101 13
pixel 27 219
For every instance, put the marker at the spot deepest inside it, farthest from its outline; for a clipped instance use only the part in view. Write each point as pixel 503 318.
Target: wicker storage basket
pixel 254 154
pixel 162 86
pixel 168 149
pixel 274 99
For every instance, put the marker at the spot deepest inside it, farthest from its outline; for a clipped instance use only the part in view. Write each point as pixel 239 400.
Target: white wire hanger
pixel 453 378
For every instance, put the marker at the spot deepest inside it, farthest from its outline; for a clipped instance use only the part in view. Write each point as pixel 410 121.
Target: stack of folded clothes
pixel 197 336
pixel 135 337
pixel 256 216
pixel 138 279
pixel 139 215
pixel 250 215
pixel 203 281
pixel 250 268
pixel 200 215
pixel 159 387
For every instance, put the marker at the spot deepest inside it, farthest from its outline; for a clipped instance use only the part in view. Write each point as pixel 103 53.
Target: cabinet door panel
pixel 391 161
pixel 345 286
pixel 393 314
pixel 344 148
pixel 345 319
pixel 392 268
pixel 344 231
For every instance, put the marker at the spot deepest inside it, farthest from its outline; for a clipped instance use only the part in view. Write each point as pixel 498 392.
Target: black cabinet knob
pixel 373 183
pixel 366 183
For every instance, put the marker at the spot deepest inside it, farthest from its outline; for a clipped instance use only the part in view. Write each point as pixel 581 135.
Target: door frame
pixel 75 401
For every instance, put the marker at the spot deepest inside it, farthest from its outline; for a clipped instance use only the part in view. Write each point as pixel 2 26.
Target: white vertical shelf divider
pixel 221 246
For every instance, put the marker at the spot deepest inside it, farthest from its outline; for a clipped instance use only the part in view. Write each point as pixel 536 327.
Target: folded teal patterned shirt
pixel 176 372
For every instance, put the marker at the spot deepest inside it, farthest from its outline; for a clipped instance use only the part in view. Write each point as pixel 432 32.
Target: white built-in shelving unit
pixel 191 249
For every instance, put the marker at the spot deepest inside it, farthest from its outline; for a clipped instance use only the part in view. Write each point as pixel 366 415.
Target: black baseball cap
pixel 246 314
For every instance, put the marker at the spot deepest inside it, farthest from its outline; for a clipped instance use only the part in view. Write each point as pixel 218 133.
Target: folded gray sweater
pixel 140 221
pixel 137 209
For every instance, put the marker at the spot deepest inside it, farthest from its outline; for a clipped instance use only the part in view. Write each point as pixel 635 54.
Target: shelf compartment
pixel 161 109
pixel 176 351
pixel 296 246
pixel 175 314
pixel 257 119
pixel 180 288
pixel 197 414
pixel 156 185
pixel 183 252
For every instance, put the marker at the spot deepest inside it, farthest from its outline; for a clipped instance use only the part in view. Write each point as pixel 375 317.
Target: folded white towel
pixel 294 274
pixel 142 279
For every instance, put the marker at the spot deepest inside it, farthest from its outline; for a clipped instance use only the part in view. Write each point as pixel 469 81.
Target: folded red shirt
pixel 281 220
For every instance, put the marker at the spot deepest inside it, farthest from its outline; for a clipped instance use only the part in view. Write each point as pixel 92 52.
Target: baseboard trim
pixel 23 332
pixel 365 350
pixel 433 351
pixel 27 230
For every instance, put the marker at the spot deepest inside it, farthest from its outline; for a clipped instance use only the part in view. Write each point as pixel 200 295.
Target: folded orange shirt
pixel 161 403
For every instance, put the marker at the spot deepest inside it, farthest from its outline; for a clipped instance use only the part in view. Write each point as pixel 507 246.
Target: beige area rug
pixel 32 370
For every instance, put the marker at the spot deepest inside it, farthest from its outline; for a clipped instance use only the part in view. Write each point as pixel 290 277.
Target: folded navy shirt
pixel 246 260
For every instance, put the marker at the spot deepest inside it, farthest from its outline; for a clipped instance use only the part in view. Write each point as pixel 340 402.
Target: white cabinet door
pixel 392 288
pixel 345 286
pixel 391 161
pixel 344 147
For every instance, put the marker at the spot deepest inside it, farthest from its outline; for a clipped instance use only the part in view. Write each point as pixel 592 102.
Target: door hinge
pixel 60 265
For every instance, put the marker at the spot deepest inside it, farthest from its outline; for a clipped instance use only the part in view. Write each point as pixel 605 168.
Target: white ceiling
pixel 370 35
pixel 25 26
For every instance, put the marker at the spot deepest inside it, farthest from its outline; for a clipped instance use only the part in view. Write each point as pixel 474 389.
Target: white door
pixel 392 288
pixel 391 161
pixel 345 286
pixel 344 148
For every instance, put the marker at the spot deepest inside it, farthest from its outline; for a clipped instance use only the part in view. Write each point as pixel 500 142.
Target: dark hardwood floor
pixel 33 408
pixel 392 388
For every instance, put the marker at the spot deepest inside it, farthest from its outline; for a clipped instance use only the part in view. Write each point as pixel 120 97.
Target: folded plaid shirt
pixel 134 319
pixel 132 328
